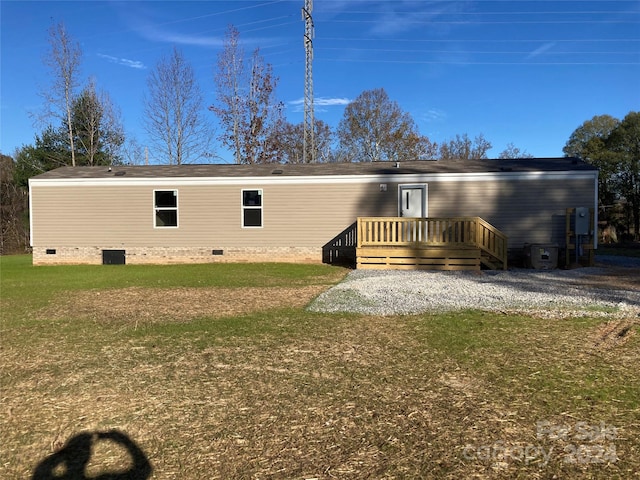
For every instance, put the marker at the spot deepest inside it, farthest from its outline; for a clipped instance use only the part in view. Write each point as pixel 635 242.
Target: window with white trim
pixel 252 208
pixel 165 204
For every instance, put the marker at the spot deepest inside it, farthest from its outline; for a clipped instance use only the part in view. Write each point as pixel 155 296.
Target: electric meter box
pixel 582 221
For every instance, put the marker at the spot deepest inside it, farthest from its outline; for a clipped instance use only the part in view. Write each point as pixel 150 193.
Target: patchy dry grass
pixel 242 382
pixel 158 305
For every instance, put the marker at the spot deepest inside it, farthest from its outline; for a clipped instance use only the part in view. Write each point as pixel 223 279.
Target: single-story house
pixel 274 212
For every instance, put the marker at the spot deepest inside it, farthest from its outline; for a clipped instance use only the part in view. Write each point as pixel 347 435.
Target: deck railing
pixel 431 232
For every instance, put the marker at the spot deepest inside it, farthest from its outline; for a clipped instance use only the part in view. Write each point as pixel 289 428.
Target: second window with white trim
pixel 252 208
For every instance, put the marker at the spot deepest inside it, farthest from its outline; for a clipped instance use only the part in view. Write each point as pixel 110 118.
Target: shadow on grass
pixel 71 461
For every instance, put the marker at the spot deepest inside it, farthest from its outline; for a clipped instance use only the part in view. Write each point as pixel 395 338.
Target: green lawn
pixel 218 371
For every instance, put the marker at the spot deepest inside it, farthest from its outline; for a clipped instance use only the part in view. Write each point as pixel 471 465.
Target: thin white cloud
pixel 434 115
pixel 323 101
pixel 125 62
pixel 540 50
pixel 319 103
pixel 182 39
pixel 330 102
pixel 151 24
pixel 403 16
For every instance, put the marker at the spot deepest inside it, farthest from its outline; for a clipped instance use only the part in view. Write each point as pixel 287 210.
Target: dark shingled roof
pixel 318 169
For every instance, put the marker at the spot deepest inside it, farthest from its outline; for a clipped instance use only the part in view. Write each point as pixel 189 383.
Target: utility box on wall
pixel 580 243
pixel 583 221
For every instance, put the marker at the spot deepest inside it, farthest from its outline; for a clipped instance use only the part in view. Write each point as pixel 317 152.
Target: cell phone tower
pixel 309 150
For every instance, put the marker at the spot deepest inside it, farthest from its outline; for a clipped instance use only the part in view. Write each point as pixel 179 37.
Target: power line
pixel 440 14
pixel 548 1
pixel 501 22
pixel 466 62
pixel 481 52
pixel 477 40
pixel 215 14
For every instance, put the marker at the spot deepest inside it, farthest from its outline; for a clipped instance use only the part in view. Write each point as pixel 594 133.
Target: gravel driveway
pixel 556 293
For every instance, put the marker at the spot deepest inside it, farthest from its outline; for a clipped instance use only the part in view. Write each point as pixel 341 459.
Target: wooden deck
pixel 461 243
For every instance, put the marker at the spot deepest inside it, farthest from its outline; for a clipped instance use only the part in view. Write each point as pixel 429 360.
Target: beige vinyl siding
pixel 311 215
pixel 293 215
pixel 304 214
pixel 527 211
pixel 77 216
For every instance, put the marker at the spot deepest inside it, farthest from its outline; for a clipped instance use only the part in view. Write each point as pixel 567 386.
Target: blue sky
pixel 525 72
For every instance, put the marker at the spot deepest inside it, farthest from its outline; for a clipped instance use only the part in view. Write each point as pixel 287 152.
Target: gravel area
pixel 550 293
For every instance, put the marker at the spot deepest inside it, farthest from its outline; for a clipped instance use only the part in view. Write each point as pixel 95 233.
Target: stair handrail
pixel 476 232
pixel 492 241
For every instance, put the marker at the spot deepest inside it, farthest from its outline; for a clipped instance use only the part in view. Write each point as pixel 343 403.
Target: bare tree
pixel 63 61
pixel 323 139
pixel 463 148
pixel 263 112
pixel 98 129
pixel 132 153
pixel 228 79
pixel 173 110
pixel 374 128
pixel 287 142
pixel 514 152
pixel 246 105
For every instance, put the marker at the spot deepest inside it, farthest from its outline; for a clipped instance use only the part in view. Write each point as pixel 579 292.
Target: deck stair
pixel 460 243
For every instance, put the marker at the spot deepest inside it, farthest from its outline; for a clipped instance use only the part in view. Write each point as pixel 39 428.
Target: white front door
pixel 413 201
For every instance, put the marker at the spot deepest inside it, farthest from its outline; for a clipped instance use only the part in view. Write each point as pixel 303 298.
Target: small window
pixel 165 208
pixel 252 208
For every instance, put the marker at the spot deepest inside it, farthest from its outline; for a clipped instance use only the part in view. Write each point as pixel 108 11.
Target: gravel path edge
pixel 554 293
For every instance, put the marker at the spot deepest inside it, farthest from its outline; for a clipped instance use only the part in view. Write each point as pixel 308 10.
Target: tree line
pixel 80 125
pixel 613 146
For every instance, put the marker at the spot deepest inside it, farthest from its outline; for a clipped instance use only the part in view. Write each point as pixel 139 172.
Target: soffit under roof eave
pixel 317 179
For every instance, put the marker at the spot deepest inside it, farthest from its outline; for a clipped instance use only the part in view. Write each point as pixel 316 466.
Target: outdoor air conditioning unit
pixel 541 256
